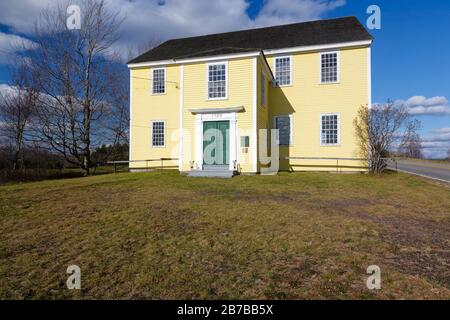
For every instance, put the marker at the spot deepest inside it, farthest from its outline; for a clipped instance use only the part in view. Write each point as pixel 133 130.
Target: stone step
pixel 211 174
pixel 216 167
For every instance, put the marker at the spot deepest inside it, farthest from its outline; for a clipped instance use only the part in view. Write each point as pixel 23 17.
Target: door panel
pixel 216 142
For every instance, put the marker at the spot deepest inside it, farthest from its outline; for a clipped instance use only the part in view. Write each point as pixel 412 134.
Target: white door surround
pixel 224 116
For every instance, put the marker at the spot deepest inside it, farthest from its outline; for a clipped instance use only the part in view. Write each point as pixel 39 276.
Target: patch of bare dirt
pixel 421 246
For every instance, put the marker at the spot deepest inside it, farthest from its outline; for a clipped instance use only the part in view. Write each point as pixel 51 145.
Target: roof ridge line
pixel 260 28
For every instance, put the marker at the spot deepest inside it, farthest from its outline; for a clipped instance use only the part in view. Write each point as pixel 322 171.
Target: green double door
pixel 216 142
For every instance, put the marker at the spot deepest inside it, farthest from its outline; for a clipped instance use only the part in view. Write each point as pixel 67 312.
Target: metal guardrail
pixel 395 160
pixel 161 160
pixel 327 158
pixel 340 159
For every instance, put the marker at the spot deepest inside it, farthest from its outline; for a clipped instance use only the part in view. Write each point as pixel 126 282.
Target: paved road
pixel 439 171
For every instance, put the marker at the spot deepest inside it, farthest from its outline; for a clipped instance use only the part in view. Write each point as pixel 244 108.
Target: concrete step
pixel 211 174
pixel 224 167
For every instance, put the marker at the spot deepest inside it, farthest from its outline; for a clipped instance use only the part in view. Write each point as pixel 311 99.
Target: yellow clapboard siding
pixel 239 93
pixel 306 99
pixel 147 107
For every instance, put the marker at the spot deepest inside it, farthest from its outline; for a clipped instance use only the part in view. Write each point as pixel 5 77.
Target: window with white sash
pixel 159 81
pixel 329 67
pixel 158 133
pixel 284 126
pixel 283 73
pixel 217 81
pixel 329 129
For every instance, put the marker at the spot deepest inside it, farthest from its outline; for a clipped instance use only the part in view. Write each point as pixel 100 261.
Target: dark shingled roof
pixel 285 36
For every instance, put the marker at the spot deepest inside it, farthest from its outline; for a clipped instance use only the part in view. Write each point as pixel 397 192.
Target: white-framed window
pixel 283 71
pixel 158 133
pixel 329 67
pixel 159 81
pixel 217 80
pixel 263 89
pixel 329 129
pixel 284 126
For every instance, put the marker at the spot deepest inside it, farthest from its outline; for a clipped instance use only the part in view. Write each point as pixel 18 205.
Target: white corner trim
pixel 369 77
pixel 254 115
pixel 180 133
pixel 318 47
pixel 131 117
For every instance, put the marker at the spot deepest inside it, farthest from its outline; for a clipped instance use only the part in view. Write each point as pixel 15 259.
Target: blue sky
pixel 409 55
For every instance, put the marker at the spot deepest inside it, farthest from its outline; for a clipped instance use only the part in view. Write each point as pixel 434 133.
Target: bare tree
pixel 117 119
pixel 134 51
pixel 411 143
pixel 77 74
pixel 17 108
pixel 377 129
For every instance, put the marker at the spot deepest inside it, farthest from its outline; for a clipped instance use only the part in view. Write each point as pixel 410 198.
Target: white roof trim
pixel 319 47
pixel 217 110
pixel 252 54
pixel 192 60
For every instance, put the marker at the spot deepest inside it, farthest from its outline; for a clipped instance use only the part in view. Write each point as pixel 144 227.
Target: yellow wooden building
pixel 211 102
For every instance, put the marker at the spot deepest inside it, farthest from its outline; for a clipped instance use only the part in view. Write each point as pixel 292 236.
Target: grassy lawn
pixel 161 236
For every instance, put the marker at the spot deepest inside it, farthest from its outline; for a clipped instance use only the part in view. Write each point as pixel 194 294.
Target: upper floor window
pixel 284 126
pixel 159 81
pixel 283 71
pixel 329 67
pixel 217 81
pixel 158 133
pixel 263 90
pixel 329 129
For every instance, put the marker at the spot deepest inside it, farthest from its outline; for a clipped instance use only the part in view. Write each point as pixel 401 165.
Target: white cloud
pixel 289 11
pixel 420 105
pixel 10 44
pixel 435 152
pixel 442 130
pixel 152 19
pixel 5 89
pixel 21 14
pixel 437 143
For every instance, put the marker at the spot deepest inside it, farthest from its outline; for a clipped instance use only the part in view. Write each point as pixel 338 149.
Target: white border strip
pixel 180 127
pixel 333 46
pixel 369 77
pixel 193 60
pixel 130 143
pixel 254 115
pixel 421 175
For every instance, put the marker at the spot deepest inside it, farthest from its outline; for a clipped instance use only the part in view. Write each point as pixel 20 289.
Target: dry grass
pixel 162 236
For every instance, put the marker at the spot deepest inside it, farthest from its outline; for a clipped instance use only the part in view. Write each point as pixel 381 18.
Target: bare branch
pixel 378 128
